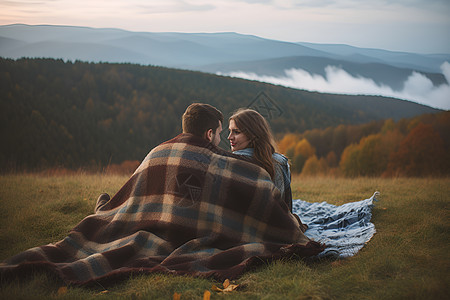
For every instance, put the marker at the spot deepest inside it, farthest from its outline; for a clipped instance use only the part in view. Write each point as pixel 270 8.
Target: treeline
pixel 417 146
pixel 85 115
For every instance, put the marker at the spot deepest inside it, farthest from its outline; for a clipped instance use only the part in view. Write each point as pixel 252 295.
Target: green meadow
pixel 408 257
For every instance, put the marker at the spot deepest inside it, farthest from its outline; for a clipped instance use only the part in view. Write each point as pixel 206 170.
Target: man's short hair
pixel 199 118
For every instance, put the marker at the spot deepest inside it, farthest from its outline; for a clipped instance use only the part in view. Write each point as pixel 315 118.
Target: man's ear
pixel 209 135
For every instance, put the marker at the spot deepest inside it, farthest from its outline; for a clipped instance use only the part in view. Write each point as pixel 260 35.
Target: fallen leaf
pixel 226 283
pixel 207 295
pixel 176 296
pixel 62 290
pixel 228 287
pixel 231 288
pixel 215 288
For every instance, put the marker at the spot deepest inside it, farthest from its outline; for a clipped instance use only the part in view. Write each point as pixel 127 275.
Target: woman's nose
pixel 229 136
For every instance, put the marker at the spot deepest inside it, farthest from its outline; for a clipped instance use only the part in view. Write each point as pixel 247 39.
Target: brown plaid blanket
pixel 189 208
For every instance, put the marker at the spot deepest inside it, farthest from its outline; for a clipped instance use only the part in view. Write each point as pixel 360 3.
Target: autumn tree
pixel 420 153
pixel 349 163
pixel 314 166
pixel 331 159
pixel 304 148
pixel 287 142
pixel 371 156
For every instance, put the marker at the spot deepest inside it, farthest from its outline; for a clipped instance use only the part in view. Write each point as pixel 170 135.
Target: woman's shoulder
pixel 280 158
pixel 246 151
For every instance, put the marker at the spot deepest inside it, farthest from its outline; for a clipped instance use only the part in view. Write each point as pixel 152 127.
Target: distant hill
pixel 163 49
pixel 420 62
pixel 213 52
pixel 72 114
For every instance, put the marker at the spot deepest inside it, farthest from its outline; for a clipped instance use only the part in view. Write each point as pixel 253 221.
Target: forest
pixel 63 114
pixel 418 146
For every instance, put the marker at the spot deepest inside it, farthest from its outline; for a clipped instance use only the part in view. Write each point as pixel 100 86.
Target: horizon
pixel 222 32
pixel 395 26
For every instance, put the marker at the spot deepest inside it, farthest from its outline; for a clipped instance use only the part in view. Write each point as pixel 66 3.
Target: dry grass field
pixel 408 258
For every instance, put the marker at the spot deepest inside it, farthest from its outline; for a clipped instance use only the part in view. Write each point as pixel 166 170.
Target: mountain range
pixel 214 52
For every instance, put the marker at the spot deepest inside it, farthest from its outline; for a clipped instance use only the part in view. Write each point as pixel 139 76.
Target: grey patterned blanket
pixel 344 229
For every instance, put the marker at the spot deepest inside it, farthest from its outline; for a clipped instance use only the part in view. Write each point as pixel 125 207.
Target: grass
pixel 408 258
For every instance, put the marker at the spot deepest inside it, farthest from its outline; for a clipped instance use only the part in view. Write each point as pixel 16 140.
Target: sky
pixel 420 26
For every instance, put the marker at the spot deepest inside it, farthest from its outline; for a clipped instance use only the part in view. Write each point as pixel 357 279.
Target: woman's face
pixel 238 140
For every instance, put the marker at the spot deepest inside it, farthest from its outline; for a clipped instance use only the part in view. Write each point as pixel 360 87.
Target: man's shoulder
pixel 192 140
pixel 187 138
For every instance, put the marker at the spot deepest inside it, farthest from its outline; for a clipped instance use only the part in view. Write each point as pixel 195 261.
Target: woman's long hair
pixel 257 130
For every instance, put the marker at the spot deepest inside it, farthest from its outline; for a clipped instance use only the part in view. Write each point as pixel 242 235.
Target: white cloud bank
pixel 417 87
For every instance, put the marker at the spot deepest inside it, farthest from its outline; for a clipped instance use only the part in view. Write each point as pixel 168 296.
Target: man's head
pixel 203 120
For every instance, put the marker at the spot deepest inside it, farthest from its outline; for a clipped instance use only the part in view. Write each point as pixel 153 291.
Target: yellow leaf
pixel 207 295
pixel 176 296
pixel 62 290
pixel 230 288
pixel 215 288
pixel 226 283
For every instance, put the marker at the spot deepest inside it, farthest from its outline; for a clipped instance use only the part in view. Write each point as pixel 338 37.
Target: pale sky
pixel 421 26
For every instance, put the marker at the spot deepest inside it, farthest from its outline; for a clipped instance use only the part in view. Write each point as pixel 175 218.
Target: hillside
pixel 56 113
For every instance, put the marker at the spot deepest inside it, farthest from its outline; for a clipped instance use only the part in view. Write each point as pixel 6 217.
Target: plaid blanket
pixel 189 208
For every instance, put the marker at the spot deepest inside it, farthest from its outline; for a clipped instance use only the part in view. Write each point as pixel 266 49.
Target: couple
pixel 250 135
pixel 189 208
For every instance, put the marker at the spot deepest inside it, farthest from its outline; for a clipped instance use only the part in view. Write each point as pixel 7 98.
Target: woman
pixel 250 135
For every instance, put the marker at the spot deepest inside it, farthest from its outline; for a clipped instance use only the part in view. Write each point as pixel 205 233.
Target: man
pixel 199 119
pixel 203 120
pixel 190 208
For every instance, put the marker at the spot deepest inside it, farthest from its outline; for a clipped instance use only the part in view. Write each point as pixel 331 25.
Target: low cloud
pixel 417 87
